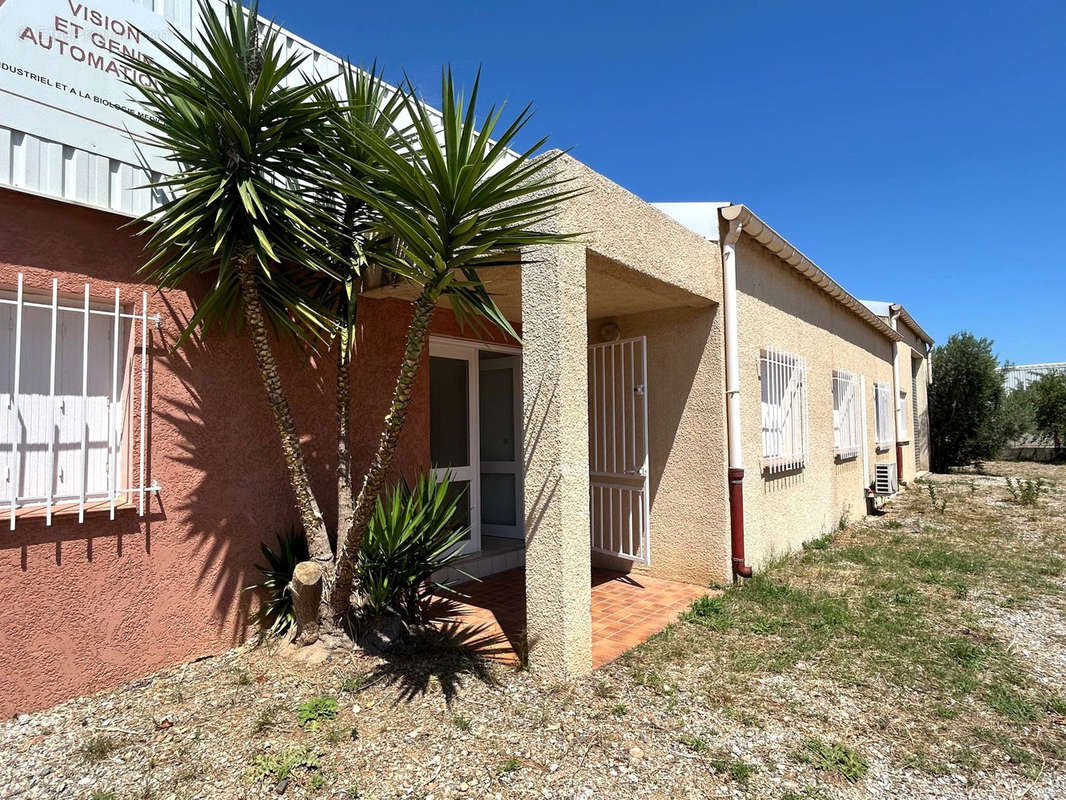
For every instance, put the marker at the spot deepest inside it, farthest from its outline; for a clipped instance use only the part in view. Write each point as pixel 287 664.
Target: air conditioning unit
pixel 886 480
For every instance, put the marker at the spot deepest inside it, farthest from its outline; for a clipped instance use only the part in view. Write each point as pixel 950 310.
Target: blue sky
pixel 915 151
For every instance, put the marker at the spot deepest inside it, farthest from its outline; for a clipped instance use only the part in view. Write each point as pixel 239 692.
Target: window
pixel 883 414
pixel 847 425
pixel 785 437
pixel 66 415
pixel 903 435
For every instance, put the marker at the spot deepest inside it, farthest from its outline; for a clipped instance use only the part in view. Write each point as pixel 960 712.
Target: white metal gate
pixel 618 448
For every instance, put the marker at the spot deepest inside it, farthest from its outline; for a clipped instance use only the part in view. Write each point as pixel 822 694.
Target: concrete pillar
pixel 555 413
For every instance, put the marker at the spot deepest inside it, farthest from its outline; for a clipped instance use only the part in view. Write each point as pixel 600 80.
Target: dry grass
pixel 915 655
pixel 892 615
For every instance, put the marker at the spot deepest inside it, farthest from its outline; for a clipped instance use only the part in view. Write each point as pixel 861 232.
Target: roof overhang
pixel 780 247
pixel 914 326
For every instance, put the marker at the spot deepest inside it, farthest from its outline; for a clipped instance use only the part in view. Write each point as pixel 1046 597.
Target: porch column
pixel 555 413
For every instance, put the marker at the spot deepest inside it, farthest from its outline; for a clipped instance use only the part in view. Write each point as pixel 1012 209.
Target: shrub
pixel 275 614
pixel 414 532
pixel 317 710
pixel 965 402
pixel 834 757
pixel 938 501
pixel 1027 491
pixel 1049 401
pixel 278 766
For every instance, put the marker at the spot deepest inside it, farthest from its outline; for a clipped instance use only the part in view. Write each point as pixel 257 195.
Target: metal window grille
pixel 785 430
pixel 67 388
pixel 883 413
pixel 918 427
pixel 847 425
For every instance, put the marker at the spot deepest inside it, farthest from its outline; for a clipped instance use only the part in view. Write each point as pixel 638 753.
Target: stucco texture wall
pixel 778 307
pixel 89 606
pixel 689 514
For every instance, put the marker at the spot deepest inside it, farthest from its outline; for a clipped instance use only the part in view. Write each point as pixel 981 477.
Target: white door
pixel 618 449
pixel 500 404
pixel 453 428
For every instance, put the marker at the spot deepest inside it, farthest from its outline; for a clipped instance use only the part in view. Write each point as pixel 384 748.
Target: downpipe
pixel 735 472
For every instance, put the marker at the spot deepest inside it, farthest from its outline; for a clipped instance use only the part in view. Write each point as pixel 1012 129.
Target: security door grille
pixel 847 423
pixel 785 434
pixel 67 416
pixel 618 449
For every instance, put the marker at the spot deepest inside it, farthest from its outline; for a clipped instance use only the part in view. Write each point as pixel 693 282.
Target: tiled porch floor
pixel 626 610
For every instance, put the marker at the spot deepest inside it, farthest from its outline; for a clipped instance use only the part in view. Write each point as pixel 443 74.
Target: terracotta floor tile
pixel 625 610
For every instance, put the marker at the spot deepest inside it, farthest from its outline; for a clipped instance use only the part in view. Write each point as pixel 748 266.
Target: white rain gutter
pixel 780 247
pixel 732 398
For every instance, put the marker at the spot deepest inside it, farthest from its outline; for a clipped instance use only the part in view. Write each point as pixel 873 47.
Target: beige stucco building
pixel 640 451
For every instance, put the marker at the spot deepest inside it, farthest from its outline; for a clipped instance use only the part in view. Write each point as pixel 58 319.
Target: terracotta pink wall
pixel 88 606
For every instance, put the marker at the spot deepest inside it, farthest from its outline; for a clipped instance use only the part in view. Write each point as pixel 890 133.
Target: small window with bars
pixel 847 425
pixel 883 415
pixel 72 406
pixel 785 433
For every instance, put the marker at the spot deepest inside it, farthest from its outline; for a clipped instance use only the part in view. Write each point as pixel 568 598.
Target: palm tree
pixel 367 104
pixel 240 214
pixel 457 201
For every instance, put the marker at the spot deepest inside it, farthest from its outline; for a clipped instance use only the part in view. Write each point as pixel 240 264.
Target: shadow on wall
pixel 233 492
pixel 773 482
pixel 677 343
pixel 540 409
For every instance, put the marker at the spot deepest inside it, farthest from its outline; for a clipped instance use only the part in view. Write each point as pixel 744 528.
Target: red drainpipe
pixel 899 462
pixel 736 522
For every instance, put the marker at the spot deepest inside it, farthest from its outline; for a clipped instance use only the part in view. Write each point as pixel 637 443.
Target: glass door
pixel 453 429
pixel 500 396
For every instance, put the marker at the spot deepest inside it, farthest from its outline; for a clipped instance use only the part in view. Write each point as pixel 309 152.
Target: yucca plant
pixel 458 200
pixel 241 218
pixel 413 533
pixel 275 614
pixel 357 238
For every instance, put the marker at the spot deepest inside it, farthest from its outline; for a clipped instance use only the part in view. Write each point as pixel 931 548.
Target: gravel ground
pixel 448 726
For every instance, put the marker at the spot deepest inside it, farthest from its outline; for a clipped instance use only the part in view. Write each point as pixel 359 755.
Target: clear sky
pixel 916 151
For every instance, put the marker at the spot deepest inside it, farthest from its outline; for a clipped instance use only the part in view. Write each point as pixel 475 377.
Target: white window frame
pixel 847 418
pixel 785 419
pixel 883 415
pixel 123 415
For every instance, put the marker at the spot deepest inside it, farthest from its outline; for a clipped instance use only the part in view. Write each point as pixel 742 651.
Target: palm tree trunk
pixel 345 504
pixel 310 514
pixel 374 480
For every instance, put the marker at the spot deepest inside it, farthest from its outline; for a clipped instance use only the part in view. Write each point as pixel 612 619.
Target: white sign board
pixel 60 74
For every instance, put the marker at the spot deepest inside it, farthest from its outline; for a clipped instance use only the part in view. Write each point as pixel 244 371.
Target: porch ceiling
pixel 612 289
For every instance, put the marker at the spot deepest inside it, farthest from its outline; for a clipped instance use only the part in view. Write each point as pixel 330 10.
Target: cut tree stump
pixel 306 588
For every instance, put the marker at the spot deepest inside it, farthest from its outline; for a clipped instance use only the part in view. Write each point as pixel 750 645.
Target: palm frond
pixel 224 109
pixel 457 198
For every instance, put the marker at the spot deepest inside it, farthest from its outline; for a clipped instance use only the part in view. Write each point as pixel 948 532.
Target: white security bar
pixel 618 449
pixel 785 409
pixel 36 420
pixel 51 403
pixel 846 414
pixel 83 457
pixel 144 395
pixel 883 414
pixel 15 435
